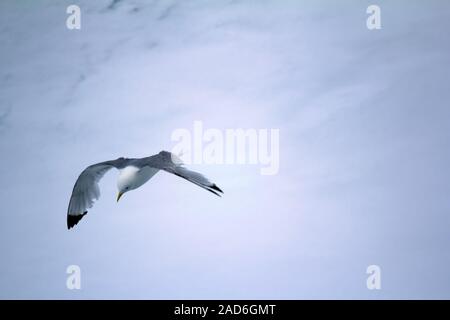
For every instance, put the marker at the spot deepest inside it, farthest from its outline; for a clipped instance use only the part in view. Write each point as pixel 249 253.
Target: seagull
pixel 133 173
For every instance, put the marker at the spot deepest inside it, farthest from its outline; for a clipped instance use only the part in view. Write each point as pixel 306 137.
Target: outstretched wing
pixel 86 191
pixel 171 163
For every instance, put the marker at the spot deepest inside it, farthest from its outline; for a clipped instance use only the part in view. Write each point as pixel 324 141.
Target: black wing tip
pixel 73 220
pixel 212 191
pixel 215 187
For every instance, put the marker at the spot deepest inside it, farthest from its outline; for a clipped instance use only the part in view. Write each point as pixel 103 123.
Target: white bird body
pixel 134 177
pixel 133 174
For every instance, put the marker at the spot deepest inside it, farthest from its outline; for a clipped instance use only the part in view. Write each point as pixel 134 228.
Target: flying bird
pixel 133 174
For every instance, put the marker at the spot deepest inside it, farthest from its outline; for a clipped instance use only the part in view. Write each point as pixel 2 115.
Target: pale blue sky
pixel 364 131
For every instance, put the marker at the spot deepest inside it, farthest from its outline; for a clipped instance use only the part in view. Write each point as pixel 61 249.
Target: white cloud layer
pixel 364 148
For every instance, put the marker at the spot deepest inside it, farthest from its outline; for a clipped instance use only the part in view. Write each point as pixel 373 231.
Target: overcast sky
pixel 364 125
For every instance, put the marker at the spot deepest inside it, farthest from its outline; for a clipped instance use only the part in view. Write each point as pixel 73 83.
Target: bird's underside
pixel 86 189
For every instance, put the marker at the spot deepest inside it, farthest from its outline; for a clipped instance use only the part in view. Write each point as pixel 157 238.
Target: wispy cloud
pixel 4 115
pixel 363 158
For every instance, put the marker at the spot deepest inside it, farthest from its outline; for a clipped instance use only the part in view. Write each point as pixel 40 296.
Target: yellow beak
pixel 119 195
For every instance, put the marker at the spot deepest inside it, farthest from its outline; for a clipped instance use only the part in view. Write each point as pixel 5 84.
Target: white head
pixel 127 181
